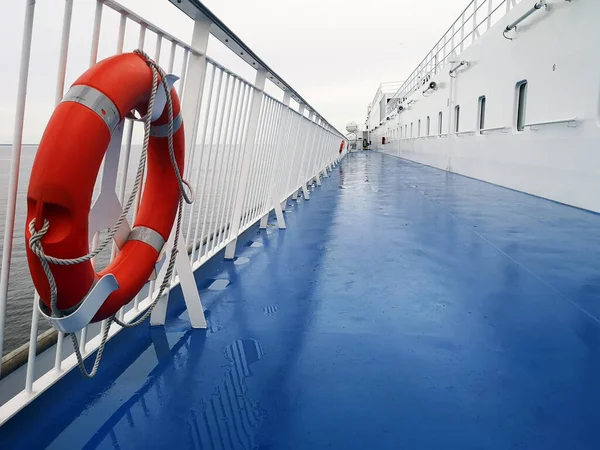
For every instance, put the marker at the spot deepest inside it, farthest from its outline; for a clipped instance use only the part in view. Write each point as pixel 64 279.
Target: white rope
pixel 37 235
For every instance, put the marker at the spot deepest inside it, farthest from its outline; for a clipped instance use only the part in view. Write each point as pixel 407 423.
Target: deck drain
pixel 241 260
pixel 270 310
pixel 218 285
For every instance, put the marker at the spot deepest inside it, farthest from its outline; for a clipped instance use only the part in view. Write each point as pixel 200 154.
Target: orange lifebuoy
pixel 65 170
pixel 342 146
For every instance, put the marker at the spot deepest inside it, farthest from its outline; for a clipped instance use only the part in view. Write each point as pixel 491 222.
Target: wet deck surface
pixel 403 308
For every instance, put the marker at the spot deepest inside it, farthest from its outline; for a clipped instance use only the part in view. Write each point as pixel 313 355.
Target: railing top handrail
pixel 149 26
pixel 196 9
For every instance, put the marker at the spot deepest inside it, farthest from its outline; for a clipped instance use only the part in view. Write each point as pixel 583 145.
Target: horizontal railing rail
pixel 247 152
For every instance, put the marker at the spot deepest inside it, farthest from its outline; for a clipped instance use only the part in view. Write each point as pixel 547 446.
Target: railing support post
pixel 194 82
pixel 257 97
pixel 194 85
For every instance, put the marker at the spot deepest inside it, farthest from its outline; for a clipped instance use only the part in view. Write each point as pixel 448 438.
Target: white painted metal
pixel 262 162
pixel 197 182
pixel 96 33
pixel 13 181
pixel 560 114
pixel 221 144
pixel 256 157
pixel 273 149
pixel 217 125
pixel 64 51
pixel 266 203
pixel 230 173
pixel 469 25
pixel 259 85
pixel 273 197
pixel 223 179
pixel 35 318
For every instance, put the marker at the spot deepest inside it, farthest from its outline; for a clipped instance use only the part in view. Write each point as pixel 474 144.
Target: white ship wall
pixel 556 52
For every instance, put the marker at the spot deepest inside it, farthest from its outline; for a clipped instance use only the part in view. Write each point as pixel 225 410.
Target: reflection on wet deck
pixel 404 307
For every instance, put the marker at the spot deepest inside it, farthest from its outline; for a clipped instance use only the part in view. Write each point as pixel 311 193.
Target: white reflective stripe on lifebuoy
pixel 148 236
pixel 163 130
pixel 96 101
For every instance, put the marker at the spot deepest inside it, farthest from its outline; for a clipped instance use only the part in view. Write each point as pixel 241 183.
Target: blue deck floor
pixel 403 308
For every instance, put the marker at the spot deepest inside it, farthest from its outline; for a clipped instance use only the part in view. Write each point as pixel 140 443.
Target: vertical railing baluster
pixel 308 151
pixel 15 162
pixel 260 161
pixel 445 54
pixel 158 48
pixel 200 193
pixel 302 138
pixel 286 156
pixel 272 199
pixel 121 38
pixel 260 128
pixel 96 32
pixel 289 145
pixel 474 32
pixel 60 86
pixel 259 84
pixel 302 126
pixel 315 150
pixel 317 164
pixel 462 32
pixel 225 167
pixel 235 140
pixel 213 149
pixel 239 140
pixel 64 51
pixel 140 46
pixel 205 175
pixel 264 174
pixel 125 157
pixel 172 57
pixel 223 129
pixel 181 90
pixel 306 178
pixel 264 180
pixel 142 37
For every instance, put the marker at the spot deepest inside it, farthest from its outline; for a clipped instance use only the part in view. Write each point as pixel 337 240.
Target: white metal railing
pixel 385 87
pixel 477 18
pixel 246 151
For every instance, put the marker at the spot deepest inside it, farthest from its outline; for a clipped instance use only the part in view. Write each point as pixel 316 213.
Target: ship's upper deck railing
pixel 386 87
pixel 471 24
pixel 246 153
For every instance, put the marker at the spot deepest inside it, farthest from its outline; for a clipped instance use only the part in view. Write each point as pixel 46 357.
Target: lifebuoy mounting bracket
pixel 107 206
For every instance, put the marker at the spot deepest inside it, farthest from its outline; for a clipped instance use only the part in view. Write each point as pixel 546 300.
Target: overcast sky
pixel 333 52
